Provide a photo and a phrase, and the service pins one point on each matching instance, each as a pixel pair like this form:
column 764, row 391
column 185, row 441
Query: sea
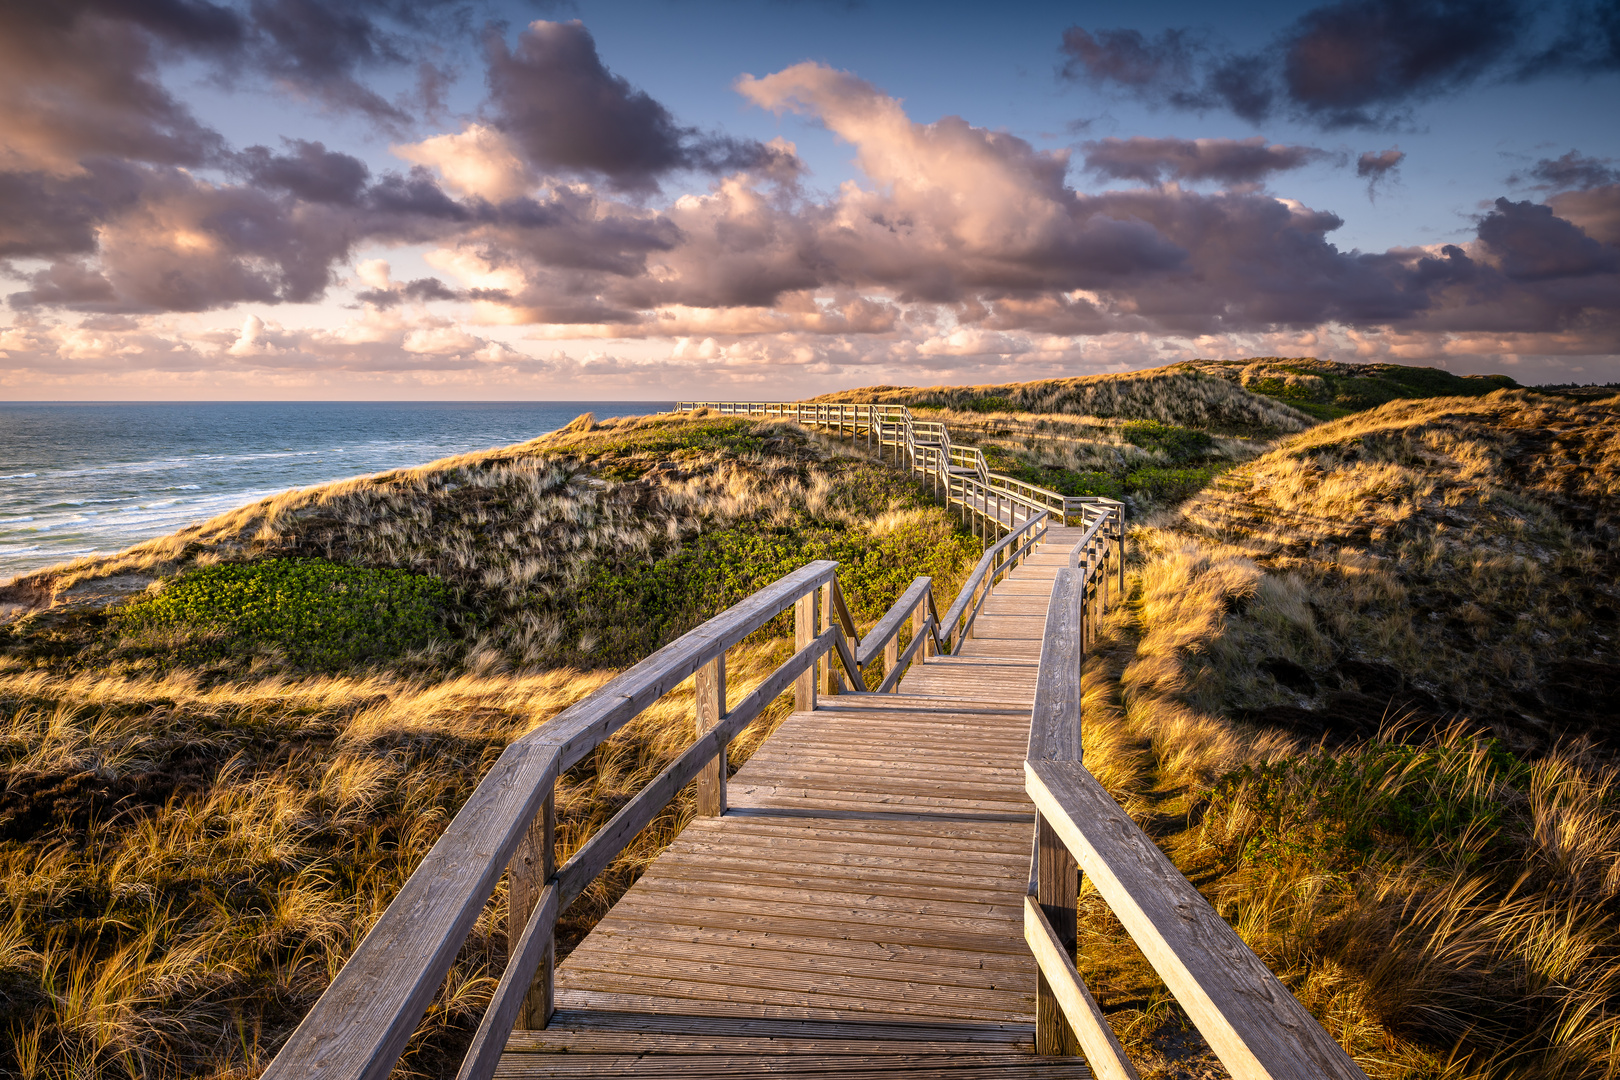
column 81, row 479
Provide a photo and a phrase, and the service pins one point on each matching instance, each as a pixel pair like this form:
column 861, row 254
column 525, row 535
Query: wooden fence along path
column 887, row 886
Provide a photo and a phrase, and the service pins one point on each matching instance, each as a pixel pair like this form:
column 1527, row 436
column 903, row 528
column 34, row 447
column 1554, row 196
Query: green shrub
column 316, row 613
column 1180, row 444
column 991, row 404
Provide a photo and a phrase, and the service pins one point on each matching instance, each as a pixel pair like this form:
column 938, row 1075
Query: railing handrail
column 1255, row 1026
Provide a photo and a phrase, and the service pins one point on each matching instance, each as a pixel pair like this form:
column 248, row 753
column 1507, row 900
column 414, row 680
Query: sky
column 651, row 199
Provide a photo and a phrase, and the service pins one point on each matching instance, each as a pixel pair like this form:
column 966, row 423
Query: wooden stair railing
column 361, row 1024
column 960, row 474
column 1255, row 1026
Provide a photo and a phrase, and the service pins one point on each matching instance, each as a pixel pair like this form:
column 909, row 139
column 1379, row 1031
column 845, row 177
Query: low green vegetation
column 315, row 614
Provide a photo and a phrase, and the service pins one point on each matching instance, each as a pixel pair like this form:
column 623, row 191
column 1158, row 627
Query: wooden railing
column 361, row 1025
column 1254, row 1025
column 960, row 475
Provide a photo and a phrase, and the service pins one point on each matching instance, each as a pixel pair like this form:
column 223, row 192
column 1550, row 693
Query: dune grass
column 213, row 787
column 1411, row 818
column 1328, row 389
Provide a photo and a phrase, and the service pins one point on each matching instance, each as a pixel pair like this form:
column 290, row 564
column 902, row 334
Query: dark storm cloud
column 1355, row 63
column 568, row 112
column 1226, row 161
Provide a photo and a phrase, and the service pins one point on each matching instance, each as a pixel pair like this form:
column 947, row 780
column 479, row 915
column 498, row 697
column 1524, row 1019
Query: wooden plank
column 818, row 922
column 852, row 995
column 724, row 977
column 757, row 1027
column 829, row 888
column 1251, row 1021
column 639, row 1043
column 971, row 873
column 1054, row 729
column 845, row 1067
column 1096, row 1036
column 511, row 996
column 985, row 917
column 812, row 963
column 830, row 950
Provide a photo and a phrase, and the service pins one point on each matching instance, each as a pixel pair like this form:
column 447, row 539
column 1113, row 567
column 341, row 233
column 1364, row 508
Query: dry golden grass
column 1324, row 702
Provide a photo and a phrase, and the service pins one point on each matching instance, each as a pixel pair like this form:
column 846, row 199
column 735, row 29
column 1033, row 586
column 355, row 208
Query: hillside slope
column 1168, row 395
column 222, row 752
column 1329, row 389
column 1365, row 692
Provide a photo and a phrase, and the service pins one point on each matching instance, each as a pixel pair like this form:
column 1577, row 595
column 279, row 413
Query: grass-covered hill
column 1150, row 438
column 1172, row 395
column 1329, row 389
column 222, row 752
column 1365, row 693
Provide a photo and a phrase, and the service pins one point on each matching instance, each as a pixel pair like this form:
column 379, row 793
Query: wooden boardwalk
column 859, row 909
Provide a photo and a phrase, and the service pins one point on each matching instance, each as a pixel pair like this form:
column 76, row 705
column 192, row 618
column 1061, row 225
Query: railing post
column 531, row 867
column 804, row 632
column 1057, row 890
column 829, row 668
column 711, row 706
column 891, row 653
column 919, row 623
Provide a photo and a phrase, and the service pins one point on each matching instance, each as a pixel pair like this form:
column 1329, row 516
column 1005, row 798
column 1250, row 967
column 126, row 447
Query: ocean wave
column 19, row 476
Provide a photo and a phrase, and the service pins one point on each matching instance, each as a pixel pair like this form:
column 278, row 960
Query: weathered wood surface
column 857, row 909
column 1254, row 1025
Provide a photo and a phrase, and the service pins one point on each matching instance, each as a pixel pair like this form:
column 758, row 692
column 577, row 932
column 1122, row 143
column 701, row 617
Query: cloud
column 1377, row 166
column 420, row 290
column 1352, row 63
column 1573, row 170
column 79, row 78
column 479, row 161
column 1532, row 243
column 1227, row 161
column 958, row 248
column 310, row 171
column 558, row 102
column 1348, row 64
